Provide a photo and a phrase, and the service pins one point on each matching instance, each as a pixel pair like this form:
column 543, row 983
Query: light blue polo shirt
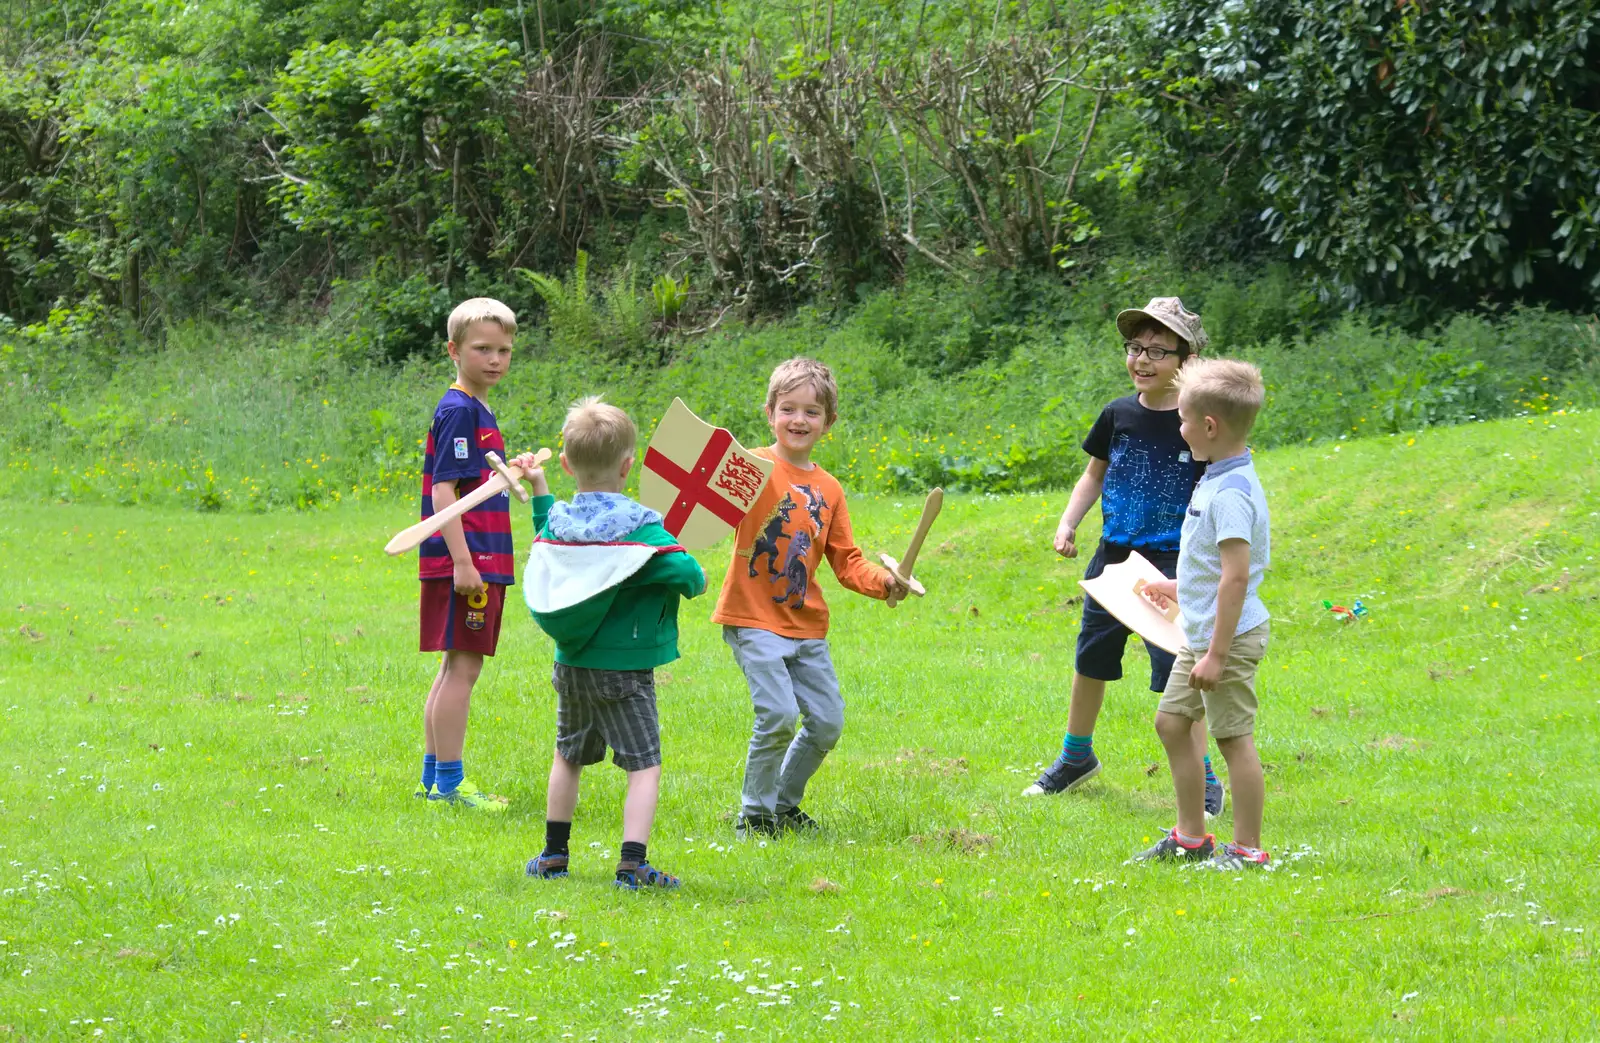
column 1228, row 504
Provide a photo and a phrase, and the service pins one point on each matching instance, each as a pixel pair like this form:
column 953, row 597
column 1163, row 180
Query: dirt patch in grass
column 963, row 840
column 1436, row 893
column 923, row 762
column 1067, row 604
column 1556, row 586
column 1398, row 743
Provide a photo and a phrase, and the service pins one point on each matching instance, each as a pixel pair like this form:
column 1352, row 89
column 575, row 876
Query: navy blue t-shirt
column 1149, row 477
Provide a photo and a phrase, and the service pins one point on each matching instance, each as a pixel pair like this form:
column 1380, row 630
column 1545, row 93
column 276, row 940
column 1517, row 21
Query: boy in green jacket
column 604, row 581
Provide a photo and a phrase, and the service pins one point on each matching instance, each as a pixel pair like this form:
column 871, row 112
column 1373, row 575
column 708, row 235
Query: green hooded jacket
column 609, row 605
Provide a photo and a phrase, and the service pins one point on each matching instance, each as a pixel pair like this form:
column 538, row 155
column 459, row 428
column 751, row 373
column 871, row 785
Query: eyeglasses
column 1153, row 352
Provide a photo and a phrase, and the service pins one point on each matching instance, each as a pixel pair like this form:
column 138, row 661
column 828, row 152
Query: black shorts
column 1102, row 639
column 600, row 708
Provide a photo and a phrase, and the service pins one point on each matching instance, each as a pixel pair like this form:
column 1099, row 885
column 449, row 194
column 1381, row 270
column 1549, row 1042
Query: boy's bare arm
column 1084, row 494
column 466, row 579
column 1230, row 604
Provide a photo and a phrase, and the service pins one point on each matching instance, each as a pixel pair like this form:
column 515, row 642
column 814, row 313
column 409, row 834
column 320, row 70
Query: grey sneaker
column 1167, row 849
column 1216, row 799
column 1064, row 777
column 1231, row 858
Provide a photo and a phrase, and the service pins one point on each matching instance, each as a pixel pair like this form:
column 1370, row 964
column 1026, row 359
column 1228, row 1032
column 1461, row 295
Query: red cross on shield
column 701, row 480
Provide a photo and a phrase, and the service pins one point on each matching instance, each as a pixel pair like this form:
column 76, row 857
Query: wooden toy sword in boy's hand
column 901, row 570
column 507, row 479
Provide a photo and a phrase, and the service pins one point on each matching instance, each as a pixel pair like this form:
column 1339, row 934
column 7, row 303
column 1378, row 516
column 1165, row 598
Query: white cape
column 560, row 575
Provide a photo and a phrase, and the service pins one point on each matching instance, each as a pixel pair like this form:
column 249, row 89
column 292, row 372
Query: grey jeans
column 791, row 682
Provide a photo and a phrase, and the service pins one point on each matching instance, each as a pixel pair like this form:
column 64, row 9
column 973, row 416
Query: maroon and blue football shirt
column 463, row 430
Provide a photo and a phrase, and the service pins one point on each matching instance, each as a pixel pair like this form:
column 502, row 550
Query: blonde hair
column 479, row 309
column 1227, row 390
column 596, row 437
column 799, row 371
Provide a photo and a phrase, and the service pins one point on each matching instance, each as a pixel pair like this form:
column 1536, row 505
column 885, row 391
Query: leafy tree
column 1403, row 146
column 390, row 148
column 31, row 194
column 127, row 140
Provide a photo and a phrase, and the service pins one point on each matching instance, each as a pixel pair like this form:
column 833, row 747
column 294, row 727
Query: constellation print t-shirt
column 1150, row 474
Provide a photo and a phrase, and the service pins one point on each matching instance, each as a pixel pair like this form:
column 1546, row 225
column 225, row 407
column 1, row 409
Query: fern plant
column 626, row 328
column 669, row 295
column 569, row 310
column 616, row 320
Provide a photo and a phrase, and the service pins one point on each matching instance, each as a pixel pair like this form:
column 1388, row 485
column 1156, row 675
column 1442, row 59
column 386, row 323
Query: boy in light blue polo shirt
column 1228, row 504
column 1225, row 550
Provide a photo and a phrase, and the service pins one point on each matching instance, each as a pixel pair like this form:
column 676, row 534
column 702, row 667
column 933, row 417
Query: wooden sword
column 902, row 569
column 506, row 479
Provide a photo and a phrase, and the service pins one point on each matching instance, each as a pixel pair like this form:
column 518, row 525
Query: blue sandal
column 635, row 875
column 548, row 867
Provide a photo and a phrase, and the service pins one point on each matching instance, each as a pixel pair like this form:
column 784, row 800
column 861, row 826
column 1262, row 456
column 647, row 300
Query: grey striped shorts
column 600, row 708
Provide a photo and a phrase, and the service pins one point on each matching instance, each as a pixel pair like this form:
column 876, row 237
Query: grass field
column 212, row 733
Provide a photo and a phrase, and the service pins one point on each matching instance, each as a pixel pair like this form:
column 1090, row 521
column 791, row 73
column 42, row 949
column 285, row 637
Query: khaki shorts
column 1231, row 705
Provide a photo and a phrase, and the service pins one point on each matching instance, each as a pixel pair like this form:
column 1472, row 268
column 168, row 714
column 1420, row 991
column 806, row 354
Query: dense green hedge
column 1401, row 148
column 163, row 161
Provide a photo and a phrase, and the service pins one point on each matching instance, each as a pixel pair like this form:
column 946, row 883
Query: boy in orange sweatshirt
column 772, row 611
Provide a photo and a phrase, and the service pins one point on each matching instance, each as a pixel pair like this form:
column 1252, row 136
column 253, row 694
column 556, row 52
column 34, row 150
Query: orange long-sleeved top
column 771, row 585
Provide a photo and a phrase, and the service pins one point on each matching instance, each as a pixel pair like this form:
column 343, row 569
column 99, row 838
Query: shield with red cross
column 700, row 479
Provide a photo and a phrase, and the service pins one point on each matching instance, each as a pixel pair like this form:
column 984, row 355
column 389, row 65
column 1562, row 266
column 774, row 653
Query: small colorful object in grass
column 1346, row 615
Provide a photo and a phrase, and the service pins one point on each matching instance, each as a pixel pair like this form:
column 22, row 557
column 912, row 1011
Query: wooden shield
column 701, row 480
column 1117, row 590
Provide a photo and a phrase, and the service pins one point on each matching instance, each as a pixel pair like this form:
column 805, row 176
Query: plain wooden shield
column 699, row 477
column 1117, row 589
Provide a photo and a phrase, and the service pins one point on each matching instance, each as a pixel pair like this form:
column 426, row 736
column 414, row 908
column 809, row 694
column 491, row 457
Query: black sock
column 556, row 836
column 632, row 852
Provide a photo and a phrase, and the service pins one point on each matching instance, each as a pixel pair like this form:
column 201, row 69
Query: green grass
column 211, row 738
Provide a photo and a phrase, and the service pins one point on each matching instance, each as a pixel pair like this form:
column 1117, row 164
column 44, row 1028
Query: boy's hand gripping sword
column 506, row 479
column 902, row 569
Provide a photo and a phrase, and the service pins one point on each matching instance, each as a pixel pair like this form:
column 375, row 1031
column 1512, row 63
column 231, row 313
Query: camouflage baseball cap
column 1170, row 312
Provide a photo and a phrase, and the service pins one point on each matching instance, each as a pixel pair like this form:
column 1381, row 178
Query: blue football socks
column 1078, row 748
column 1211, row 776
column 428, row 762
column 447, row 776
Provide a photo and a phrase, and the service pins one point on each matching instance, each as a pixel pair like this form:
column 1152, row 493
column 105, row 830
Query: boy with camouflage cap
column 1142, row 473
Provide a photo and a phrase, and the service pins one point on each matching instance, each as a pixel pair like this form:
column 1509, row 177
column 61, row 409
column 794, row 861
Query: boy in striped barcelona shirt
column 466, row 566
